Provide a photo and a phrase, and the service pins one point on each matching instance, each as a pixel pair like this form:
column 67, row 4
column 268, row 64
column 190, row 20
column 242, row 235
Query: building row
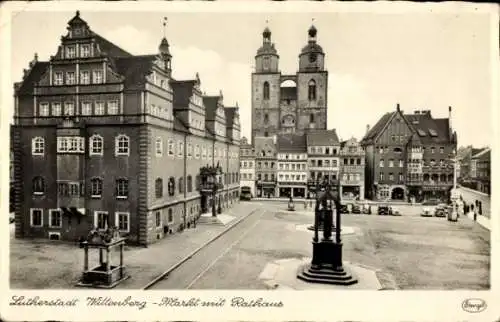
column 475, row 168
column 291, row 165
column 103, row 138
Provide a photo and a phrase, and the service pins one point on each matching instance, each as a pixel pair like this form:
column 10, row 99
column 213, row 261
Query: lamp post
column 326, row 264
column 454, row 193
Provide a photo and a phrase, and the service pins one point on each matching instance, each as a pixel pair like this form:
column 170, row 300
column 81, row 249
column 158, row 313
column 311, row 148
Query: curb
column 182, row 261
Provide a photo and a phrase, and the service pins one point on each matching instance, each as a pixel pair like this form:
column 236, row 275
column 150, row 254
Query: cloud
column 216, row 72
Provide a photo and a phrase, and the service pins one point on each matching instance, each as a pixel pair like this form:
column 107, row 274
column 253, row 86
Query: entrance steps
column 219, row 220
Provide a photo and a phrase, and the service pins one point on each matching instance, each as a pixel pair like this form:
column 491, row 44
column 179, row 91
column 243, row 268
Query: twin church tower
column 289, row 103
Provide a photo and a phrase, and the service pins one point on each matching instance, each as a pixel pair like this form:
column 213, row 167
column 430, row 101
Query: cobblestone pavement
column 408, row 252
column 36, row 264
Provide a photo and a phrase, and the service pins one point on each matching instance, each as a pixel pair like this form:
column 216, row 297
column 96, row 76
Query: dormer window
column 70, row 52
column 85, row 50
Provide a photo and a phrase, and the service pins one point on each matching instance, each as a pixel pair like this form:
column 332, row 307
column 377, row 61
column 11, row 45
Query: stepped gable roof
column 288, row 93
column 34, row 74
column 211, row 105
column 182, row 92
column 322, row 138
column 292, row 142
column 135, row 68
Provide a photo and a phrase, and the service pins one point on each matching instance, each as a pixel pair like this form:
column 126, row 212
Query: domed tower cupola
column 164, row 50
column 312, row 56
column 266, row 59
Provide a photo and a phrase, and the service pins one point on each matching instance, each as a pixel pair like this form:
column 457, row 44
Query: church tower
column 265, row 89
column 312, row 86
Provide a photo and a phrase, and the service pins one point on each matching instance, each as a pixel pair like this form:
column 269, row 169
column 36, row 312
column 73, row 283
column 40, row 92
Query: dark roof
column 183, row 90
column 323, row 137
column 312, row 47
column 211, row 105
column 484, row 155
column 428, row 129
column 110, row 48
column 267, row 49
column 261, row 142
column 288, row 93
column 292, row 143
column 34, row 75
column 372, row 133
column 179, row 125
column 426, row 124
column 135, row 68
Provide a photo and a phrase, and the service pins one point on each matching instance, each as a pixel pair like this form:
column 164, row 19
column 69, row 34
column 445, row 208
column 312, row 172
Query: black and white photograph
column 231, row 148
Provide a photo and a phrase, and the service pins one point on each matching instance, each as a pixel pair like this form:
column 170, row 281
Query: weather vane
column 165, row 27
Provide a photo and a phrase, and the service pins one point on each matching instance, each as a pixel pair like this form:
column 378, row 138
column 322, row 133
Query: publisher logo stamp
column 474, row 305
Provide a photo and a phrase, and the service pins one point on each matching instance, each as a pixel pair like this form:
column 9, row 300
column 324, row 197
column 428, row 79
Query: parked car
column 355, row 209
column 394, row 211
column 440, row 210
column 245, row 194
column 429, row 207
column 344, row 209
column 366, row 209
column 384, row 210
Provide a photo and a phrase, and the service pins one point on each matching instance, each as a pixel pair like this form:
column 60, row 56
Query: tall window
column 55, row 219
column 96, row 187
column 266, row 118
column 56, row 109
column 266, row 90
column 96, row 145
column 170, row 147
column 70, row 52
column 38, row 186
column 381, row 176
column 97, row 76
column 189, row 183
column 113, row 107
column 85, row 50
column 189, row 150
column 122, row 221
column 38, row 146
column 391, row 163
column 181, row 185
column 312, row 90
column 311, row 118
column 36, row 217
column 122, row 145
column 69, row 109
column 171, row 186
column 122, row 188
column 197, row 151
column 159, row 147
column 85, row 77
column 44, row 109
column 159, row 188
column 58, row 78
column 101, row 220
column 70, row 78
column 86, row 108
column 180, row 148
column 158, row 218
column 99, row 108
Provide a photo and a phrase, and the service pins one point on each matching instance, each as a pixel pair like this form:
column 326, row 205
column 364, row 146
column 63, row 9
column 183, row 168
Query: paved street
column 408, row 252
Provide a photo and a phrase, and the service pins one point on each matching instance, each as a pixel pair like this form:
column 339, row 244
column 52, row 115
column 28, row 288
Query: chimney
column 450, row 128
column 367, row 128
column 397, row 107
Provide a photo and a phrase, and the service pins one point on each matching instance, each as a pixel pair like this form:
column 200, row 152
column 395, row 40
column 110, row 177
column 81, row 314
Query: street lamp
column 454, row 195
column 326, row 265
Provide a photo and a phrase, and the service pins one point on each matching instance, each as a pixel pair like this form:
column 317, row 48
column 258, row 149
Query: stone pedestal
column 326, row 265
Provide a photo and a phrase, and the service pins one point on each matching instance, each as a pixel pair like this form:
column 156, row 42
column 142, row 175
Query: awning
column 69, row 211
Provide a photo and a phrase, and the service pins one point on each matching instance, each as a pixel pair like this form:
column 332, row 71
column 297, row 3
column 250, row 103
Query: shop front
column 265, row 189
column 441, row 193
column 292, row 191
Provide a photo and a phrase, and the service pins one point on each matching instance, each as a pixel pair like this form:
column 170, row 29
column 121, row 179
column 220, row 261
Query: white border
column 362, row 305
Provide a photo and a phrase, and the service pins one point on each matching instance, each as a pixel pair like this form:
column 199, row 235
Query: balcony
column 352, row 182
column 209, row 186
column 360, row 168
column 438, row 168
column 354, row 154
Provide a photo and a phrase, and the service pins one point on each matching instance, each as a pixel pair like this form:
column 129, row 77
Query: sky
column 423, row 61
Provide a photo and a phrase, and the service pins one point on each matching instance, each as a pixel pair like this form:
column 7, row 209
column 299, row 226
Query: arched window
column 96, row 145
column 181, row 185
column 95, row 187
column 159, row 187
column 312, row 90
column 122, row 145
column 266, row 90
column 171, row 186
column 38, row 186
column 311, row 118
column 38, row 146
column 189, row 183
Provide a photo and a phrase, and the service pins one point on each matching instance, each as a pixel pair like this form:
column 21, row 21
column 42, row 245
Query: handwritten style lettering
column 108, row 301
column 37, row 301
